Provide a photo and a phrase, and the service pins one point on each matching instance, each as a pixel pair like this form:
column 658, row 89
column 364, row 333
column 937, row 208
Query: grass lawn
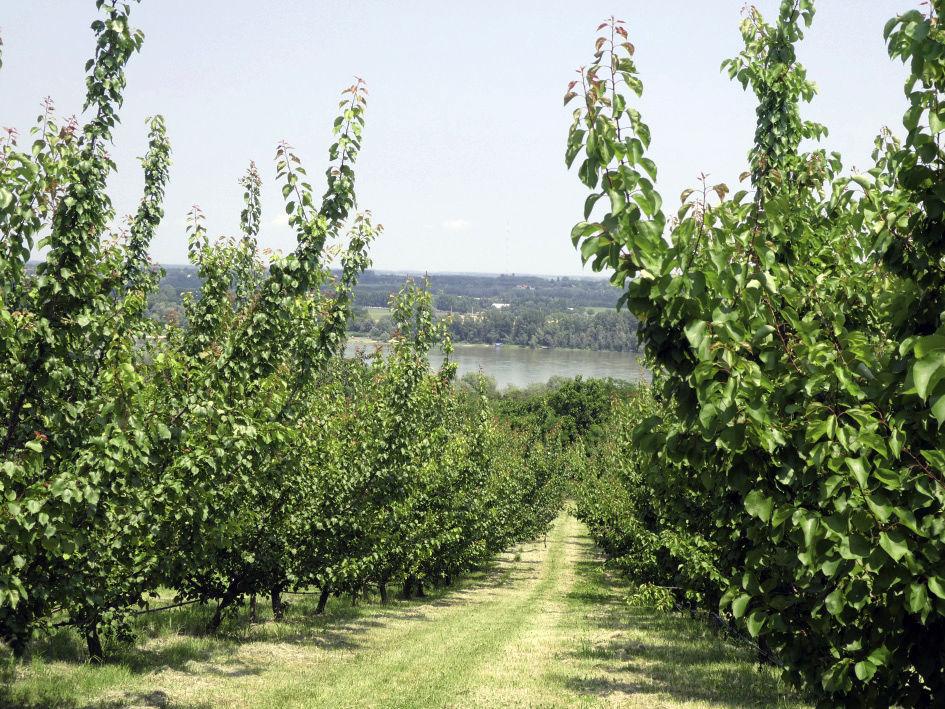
column 546, row 626
column 376, row 312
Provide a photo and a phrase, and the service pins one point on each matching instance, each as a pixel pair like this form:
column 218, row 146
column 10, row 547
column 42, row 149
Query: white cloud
column 281, row 220
column 455, row 224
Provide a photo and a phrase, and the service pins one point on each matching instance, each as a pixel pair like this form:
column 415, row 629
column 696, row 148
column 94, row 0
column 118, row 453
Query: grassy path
column 545, row 628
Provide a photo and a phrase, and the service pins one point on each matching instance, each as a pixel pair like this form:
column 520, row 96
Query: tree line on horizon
column 535, row 312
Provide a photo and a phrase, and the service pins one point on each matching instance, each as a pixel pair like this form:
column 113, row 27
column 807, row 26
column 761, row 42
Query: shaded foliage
column 794, row 330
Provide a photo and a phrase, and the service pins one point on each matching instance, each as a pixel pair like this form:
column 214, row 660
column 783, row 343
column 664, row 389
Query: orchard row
column 238, row 454
column 788, row 466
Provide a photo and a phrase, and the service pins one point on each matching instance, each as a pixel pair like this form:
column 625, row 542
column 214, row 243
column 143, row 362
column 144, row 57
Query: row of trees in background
column 452, row 293
column 237, row 454
column 469, row 293
column 790, row 462
column 566, row 412
column 527, row 327
column 543, row 320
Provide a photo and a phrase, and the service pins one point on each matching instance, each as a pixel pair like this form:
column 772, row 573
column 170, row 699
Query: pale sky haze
column 463, row 157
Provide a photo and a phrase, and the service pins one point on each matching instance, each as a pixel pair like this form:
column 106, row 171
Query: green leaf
column 740, row 604
column 617, row 201
column 894, row 544
column 938, row 409
column 811, row 527
column 588, row 172
column 864, row 670
column 589, row 248
column 858, row 468
column 649, row 166
column 829, row 568
column 928, row 344
column 835, row 601
column 695, row 332
column 936, row 121
column 755, row 622
column 880, row 506
column 590, row 202
column 879, row 656
column 758, row 505
column 923, row 371
column 917, row 598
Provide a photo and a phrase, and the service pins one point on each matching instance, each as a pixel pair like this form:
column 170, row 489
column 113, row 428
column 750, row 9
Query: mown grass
column 376, row 312
column 174, row 656
column 653, row 658
column 545, row 626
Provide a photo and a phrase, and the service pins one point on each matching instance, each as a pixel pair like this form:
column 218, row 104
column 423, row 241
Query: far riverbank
column 517, row 366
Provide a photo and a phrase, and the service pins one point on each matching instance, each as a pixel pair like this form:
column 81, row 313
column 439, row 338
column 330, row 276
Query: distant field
column 376, row 313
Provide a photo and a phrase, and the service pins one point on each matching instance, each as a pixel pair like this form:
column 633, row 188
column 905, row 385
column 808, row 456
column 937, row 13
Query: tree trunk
column 16, row 623
column 253, row 610
column 94, row 643
column 278, row 610
column 382, row 589
column 447, row 580
column 764, row 652
column 13, row 634
column 323, row 600
column 229, row 596
column 420, row 593
column 17, row 644
column 408, row 587
column 217, row 618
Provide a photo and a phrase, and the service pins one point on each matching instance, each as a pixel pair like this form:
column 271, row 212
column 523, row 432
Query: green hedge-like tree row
column 795, row 331
column 238, row 455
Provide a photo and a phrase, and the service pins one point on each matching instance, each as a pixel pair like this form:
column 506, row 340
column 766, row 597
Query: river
column 522, row 366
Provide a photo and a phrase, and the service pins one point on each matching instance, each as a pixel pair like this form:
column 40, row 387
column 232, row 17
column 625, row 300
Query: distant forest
column 527, row 325
column 469, row 293
column 532, row 311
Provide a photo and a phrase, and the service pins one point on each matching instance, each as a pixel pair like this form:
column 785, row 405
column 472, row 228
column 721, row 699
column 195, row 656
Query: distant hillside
column 471, row 292
column 460, row 293
column 533, row 311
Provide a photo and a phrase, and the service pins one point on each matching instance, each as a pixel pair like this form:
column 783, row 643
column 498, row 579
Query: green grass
column 376, row 312
column 545, row 626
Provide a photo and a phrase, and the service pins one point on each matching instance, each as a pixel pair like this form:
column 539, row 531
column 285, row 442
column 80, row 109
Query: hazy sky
column 463, row 153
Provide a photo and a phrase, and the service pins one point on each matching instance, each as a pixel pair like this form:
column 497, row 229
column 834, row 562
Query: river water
column 522, row 366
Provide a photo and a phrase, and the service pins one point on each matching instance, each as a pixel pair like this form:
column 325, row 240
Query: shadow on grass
column 53, row 699
column 667, row 655
column 56, row 673
column 146, row 699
